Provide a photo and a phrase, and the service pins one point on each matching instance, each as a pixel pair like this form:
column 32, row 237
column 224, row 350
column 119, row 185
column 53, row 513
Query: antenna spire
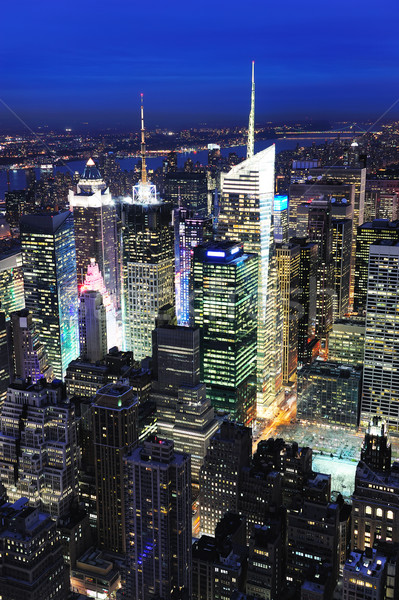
column 251, row 124
column 143, row 165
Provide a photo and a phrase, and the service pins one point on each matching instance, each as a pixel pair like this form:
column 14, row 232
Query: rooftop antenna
column 143, row 165
column 251, row 125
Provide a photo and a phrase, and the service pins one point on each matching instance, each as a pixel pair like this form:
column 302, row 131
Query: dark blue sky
column 67, row 62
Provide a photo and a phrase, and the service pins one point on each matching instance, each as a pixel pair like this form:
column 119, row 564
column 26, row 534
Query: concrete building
column 364, row 576
column 38, row 446
column 30, row 356
column 92, row 326
column 115, row 433
column 346, row 342
column 381, row 345
column 31, row 562
column 158, row 521
column 229, row 452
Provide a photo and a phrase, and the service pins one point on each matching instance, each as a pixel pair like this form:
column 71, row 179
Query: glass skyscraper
column 246, row 208
column 225, row 308
column 11, row 281
column 190, row 231
column 51, row 295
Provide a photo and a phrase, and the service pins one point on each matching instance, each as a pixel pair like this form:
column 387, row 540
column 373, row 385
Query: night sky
column 64, row 63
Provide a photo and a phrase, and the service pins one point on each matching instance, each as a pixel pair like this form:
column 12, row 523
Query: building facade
column 225, row 308
column 246, row 208
column 51, row 295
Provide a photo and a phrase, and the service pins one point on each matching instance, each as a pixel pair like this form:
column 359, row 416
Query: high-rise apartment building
column 381, row 345
column 31, row 561
column 229, row 452
column 246, row 208
column 11, row 281
column 225, row 307
column 158, row 521
column 92, row 326
column 38, row 446
column 265, row 563
column 190, row 231
column 367, row 234
column 187, row 189
column 288, row 264
column 51, row 295
column 115, row 434
column 96, row 237
column 31, row 361
column 341, row 249
column 329, row 392
column 307, row 341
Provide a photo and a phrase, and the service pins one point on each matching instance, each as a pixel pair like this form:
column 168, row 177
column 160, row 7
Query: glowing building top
column 92, row 191
column 144, row 192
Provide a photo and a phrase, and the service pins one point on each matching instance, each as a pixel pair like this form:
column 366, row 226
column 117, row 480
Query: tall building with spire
column 246, row 208
column 95, row 222
column 148, row 261
column 251, row 124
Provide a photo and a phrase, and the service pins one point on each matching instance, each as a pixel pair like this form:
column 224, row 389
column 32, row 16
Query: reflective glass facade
column 225, row 305
column 49, row 265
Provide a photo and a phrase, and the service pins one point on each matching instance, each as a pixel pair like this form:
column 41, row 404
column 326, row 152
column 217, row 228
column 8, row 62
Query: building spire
column 251, row 124
column 143, row 165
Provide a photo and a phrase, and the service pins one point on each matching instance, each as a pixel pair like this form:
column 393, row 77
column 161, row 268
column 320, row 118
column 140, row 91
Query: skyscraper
column 158, row 521
column 246, row 215
column 11, row 281
column 187, row 189
column 96, row 236
column 367, row 234
column 319, row 229
column 184, row 413
column 225, row 307
column 190, row 231
column 280, row 219
column 288, row 264
column 307, row 341
column 229, row 453
column 381, row 350
column 39, row 459
column 115, row 434
column 355, row 175
column 148, row 261
column 51, row 295
column 92, row 326
column 31, row 360
column 341, row 249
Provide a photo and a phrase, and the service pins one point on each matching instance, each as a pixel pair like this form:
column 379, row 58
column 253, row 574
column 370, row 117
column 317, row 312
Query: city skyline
column 304, row 67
